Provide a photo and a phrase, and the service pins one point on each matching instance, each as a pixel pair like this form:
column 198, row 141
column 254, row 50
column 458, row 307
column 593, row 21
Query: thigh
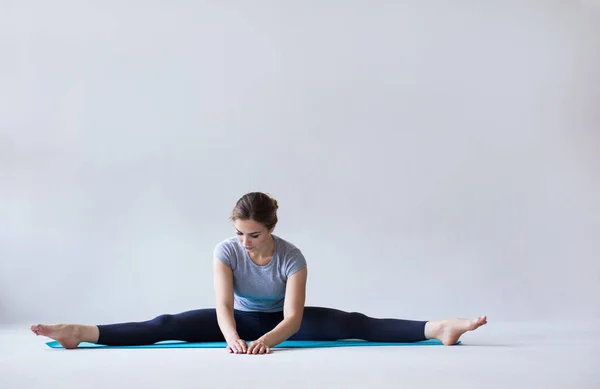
column 199, row 325
column 319, row 323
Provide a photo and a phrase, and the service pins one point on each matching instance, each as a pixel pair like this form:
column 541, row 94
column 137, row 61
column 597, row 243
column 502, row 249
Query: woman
column 260, row 286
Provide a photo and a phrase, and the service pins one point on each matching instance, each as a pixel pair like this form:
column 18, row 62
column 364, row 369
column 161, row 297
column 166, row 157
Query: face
column 252, row 235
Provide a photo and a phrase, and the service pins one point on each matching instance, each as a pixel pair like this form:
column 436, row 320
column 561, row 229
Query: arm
column 293, row 308
column 223, row 284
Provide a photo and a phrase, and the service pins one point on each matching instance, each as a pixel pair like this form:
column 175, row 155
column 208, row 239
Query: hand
column 237, row 346
column 258, row 347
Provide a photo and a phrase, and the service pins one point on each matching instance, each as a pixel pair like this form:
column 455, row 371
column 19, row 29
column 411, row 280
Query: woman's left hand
column 258, row 347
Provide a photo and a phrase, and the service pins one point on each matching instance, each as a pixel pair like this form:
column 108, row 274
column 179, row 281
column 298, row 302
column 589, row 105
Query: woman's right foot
column 68, row 335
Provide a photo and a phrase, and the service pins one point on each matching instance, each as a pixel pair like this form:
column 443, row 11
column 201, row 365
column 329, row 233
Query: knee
column 163, row 320
column 358, row 321
column 358, row 317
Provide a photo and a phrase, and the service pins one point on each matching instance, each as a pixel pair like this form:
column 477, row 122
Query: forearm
column 286, row 328
column 226, row 323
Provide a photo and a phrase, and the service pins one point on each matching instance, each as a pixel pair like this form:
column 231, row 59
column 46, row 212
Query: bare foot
column 68, row 335
column 448, row 331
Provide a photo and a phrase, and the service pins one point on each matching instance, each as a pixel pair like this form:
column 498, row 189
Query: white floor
column 499, row 355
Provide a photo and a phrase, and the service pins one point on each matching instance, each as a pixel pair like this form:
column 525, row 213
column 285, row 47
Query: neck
column 268, row 250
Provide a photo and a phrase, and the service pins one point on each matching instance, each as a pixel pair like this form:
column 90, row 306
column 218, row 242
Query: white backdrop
column 430, row 158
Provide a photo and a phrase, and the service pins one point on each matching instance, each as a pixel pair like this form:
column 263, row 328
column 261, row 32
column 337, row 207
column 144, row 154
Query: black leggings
column 317, row 324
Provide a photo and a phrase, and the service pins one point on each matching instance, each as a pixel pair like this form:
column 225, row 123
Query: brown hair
column 257, row 206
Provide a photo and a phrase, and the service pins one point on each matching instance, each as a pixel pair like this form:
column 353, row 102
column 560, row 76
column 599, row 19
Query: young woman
column 260, row 285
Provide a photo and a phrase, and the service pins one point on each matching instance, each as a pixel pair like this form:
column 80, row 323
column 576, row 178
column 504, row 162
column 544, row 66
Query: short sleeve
column 225, row 253
column 294, row 263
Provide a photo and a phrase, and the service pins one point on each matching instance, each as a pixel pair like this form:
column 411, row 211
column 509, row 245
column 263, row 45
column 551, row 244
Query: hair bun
column 258, row 206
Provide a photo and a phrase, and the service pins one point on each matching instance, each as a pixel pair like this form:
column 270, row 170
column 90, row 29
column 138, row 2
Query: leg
column 192, row 326
column 332, row 324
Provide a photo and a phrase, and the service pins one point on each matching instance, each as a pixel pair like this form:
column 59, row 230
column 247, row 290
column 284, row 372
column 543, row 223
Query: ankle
column 87, row 333
column 433, row 329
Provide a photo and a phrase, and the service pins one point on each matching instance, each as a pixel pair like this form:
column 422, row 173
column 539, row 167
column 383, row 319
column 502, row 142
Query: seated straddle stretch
column 260, row 288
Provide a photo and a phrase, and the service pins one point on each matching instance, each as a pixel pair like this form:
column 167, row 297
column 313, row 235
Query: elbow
column 295, row 328
column 295, row 324
column 223, row 307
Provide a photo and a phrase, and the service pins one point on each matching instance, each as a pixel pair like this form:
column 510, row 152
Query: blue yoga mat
column 286, row 344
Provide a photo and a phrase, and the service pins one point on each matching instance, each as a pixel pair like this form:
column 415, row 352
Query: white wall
column 430, row 158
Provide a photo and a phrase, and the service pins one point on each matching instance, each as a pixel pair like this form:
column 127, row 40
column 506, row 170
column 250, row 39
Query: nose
column 246, row 241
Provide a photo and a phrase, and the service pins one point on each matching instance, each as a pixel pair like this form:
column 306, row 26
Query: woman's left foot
column 448, row 331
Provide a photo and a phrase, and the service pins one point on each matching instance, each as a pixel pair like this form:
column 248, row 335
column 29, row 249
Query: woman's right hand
column 237, row 346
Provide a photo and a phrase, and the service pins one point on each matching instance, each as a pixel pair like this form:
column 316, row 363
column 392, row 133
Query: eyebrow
column 250, row 233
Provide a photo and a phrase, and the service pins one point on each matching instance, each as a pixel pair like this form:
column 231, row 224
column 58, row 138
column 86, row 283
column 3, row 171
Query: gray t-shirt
column 260, row 288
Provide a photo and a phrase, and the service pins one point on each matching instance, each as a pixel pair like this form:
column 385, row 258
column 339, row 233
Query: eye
column 239, row 233
column 254, row 236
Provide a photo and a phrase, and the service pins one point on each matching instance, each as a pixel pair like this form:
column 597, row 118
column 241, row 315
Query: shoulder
column 285, row 247
column 227, row 245
column 292, row 259
column 227, row 251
